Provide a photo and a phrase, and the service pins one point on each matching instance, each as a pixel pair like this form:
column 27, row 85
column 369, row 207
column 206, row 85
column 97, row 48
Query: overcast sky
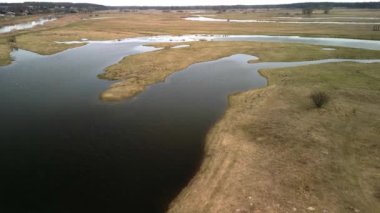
column 183, row 2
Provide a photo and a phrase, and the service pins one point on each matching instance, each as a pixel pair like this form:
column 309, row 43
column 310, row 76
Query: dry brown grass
column 267, row 14
column 5, row 48
column 17, row 20
column 138, row 71
column 33, row 39
column 123, row 25
column 274, row 152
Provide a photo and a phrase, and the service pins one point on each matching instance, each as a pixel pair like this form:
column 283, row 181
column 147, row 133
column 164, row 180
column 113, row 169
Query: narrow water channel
column 63, row 150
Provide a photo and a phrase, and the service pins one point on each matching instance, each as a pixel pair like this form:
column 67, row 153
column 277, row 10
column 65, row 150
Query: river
column 64, row 150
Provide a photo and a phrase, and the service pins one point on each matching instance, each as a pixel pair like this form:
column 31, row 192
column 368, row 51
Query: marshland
column 190, row 110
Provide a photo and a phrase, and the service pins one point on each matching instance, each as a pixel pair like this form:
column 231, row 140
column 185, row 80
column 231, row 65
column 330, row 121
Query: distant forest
column 314, row 5
column 53, row 5
column 28, row 8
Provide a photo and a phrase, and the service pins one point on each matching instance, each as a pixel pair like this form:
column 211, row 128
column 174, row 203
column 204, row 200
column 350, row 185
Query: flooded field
column 282, row 20
column 338, row 42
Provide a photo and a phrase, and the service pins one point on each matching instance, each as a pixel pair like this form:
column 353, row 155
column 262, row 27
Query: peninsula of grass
column 274, row 151
column 136, row 72
column 114, row 25
column 5, row 48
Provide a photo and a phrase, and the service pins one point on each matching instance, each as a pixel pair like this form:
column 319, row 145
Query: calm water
column 336, row 42
column 63, row 150
column 299, row 21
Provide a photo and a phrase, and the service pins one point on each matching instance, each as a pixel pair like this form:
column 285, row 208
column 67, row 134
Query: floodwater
column 24, row 26
column 63, row 150
column 335, row 42
column 202, row 18
column 330, row 17
column 300, row 21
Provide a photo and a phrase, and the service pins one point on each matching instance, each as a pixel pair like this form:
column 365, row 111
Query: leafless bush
column 12, row 39
column 319, row 98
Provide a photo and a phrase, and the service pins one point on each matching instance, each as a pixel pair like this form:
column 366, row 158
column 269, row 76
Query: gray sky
column 184, row 2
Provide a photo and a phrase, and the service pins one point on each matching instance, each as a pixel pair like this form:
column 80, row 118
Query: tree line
column 45, row 7
column 28, row 8
column 314, row 5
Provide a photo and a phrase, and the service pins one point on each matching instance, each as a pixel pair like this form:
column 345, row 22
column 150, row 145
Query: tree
column 307, row 11
column 327, row 10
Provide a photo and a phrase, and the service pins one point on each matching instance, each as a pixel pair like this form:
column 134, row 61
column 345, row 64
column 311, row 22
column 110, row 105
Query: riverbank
column 273, row 151
column 5, row 48
column 21, row 39
column 106, row 26
column 134, row 73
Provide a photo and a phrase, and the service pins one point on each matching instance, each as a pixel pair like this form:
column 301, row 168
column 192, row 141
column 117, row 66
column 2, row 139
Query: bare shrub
column 319, row 98
column 12, row 39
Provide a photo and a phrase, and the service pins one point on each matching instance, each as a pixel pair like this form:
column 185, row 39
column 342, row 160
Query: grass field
column 138, row 71
column 4, row 51
column 346, row 14
column 42, row 45
column 122, row 25
column 273, row 151
column 4, row 21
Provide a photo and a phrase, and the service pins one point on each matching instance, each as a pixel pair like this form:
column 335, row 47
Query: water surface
column 299, row 21
column 337, row 42
column 63, row 150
